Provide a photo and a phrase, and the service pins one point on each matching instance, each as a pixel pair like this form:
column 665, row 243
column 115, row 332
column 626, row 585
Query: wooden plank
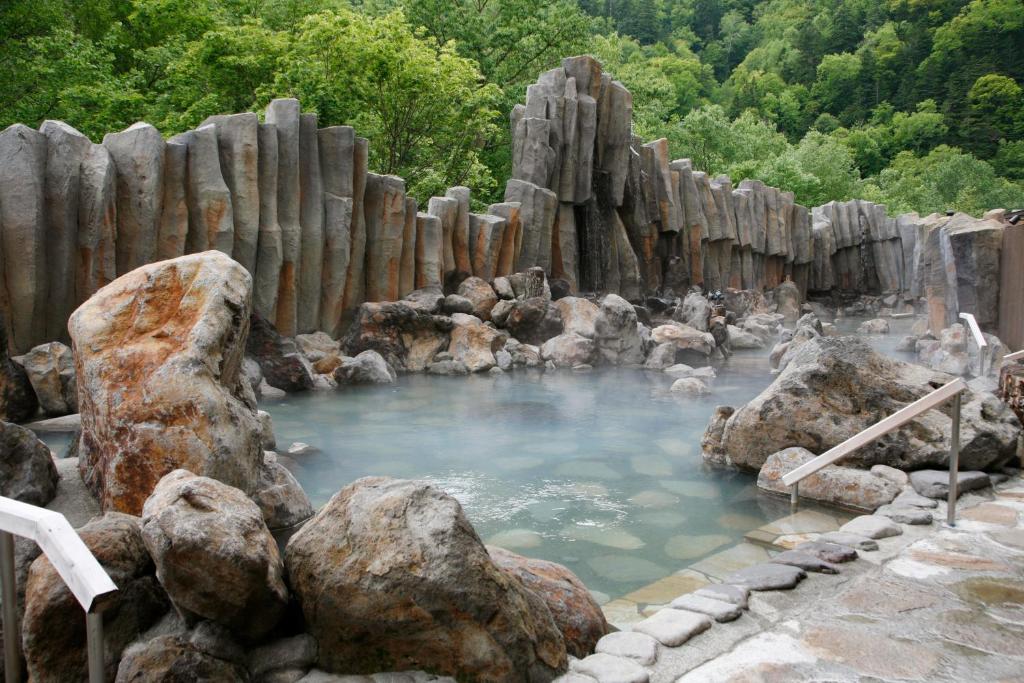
column 880, row 428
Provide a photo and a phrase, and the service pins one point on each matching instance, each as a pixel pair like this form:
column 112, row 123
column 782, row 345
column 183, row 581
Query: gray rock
column 311, row 221
column 237, row 143
column 50, row 369
column 383, row 556
column 460, row 229
column 214, row 554
column 810, row 562
column 292, row 653
column 369, row 367
column 23, row 232
column 673, row 627
column 269, row 249
column 173, row 231
column 898, row 477
column 695, row 312
column 905, row 515
column 911, row 498
column 97, row 223
column 636, row 646
column 282, row 364
column 606, row 668
column 503, row 288
column 616, row 333
column 504, row 359
column 719, row 610
column 874, row 326
column 279, row 496
column 384, row 209
column 767, row 577
column 337, row 249
column 429, row 251
column 724, row 592
column 456, row 303
column 210, row 214
column 829, row 552
column 691, row 386
column 66, row 149
column 174, row 658
column 742, row 339
column 447, row 367
column 568, row 350
column 283, row 114
column 872, row 526
column 138, row 154
column 27, row 471
column 935, row 483
column 850, row 540
column 832, row 484
column 661, row 357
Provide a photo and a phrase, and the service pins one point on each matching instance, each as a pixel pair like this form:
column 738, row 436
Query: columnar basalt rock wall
column 587, row 200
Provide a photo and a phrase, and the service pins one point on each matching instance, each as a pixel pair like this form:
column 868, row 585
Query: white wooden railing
column 952, row 390
column 75, row 564
column 979, row 339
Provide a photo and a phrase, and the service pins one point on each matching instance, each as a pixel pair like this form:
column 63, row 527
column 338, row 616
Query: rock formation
column 158, row 356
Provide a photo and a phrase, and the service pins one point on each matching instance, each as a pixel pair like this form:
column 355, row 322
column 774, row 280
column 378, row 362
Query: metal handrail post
column 794, row 495
column 954, row 462
column 12, row 653
column 94, row 636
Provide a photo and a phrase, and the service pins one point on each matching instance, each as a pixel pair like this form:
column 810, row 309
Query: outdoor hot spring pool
column 599, row 471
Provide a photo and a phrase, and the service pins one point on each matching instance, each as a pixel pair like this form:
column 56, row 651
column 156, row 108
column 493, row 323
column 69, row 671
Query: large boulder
column 480, row 295
column 568, row 350
column 685, row 338
column 834, row 484
column 579, row 316
column 369, row 367
column 391, row 575
column 18, row 401
column 534, row 320
column 473, row 343
column 576, row 613
column 695, row 311
column 617, row 334
column 158, row 354
column 27, row 470
column 283, row 365
column 787, row 300
column 214, row 554
column 53, row 630
column 835, row 387
column 176, row 658
column 405, row 334
column 51, row 371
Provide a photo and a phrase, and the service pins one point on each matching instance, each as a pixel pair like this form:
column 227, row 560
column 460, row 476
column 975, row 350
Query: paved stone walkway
column 931, row 604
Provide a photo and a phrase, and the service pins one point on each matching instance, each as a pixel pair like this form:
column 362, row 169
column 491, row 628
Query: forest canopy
column 916, row 104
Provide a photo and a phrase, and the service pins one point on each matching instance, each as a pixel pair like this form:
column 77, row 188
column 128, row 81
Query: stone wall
column 588, row 201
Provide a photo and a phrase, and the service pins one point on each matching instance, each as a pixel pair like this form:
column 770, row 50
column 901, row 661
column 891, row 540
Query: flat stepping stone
column 851, row 540
column 807, row 561
column 830, row 552
column 639, row 647
column 673, row 627
column 911, row 498
column 768, row 577
column 716, row 609
column 605, row 668
column 935, row 483
column 905, row 515
column 737, row 595
column 872, row 526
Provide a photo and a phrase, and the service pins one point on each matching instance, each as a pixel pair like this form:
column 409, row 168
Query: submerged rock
column 214, row 554
column 833, row 484
column 834, row 388
column 384, row 559
column 27, row 470
column 874, row 326
column 576, row 613
column 53, row 630
column 158, row 353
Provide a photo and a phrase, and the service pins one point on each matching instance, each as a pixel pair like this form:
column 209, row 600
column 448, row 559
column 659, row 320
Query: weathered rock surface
column 279, row 496
column 175, row 658
column 369, row 367
column 534, row 320
column 53, row 630
column 473, row 343
column 18, row 400
column 574, row 610
column 279, row 358
column 386, row 558
column 616, row 334
column 834, row 484
column 567, row 350
column 158, row 355
column 579, row 316
column 767, row 577
column 694, row 312
column 407, row 336
column 834, row 388
column 935, row 483
column 214, row 554
column 27, row 471
column 480, row 295
column 685, row 338
column 51, row 371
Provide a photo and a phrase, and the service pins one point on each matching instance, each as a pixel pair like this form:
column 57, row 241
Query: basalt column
column 138, row 154
column 337, row 155
column 284, row 115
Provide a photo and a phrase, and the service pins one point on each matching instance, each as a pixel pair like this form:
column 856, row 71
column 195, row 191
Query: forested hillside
column 914, row 103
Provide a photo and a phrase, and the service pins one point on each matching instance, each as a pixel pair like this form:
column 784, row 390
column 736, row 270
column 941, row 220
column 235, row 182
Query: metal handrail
column 75, row 564
column 1016, row 355
column 979, row 339
column 952, row 390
